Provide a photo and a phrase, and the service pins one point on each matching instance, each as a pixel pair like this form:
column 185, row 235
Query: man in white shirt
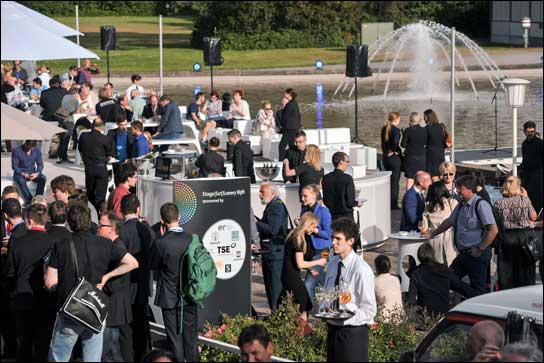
column 347, row 340
column 136, row 85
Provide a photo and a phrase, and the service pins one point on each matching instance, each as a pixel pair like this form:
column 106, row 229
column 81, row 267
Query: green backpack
column 202, row 273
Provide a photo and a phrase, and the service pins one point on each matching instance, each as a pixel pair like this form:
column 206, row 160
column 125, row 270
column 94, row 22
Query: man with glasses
column 531, row 167
column 19, row 73
column 475, row 229
column 127, row 179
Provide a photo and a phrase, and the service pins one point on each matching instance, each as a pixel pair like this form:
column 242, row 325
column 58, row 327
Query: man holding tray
column 347, row 339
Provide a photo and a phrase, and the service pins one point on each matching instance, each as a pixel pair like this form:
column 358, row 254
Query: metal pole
column 108, row 62
column 77, row 35
column 526, row 37
column 160, row 55
column 356, row 112
column 452, row 94
column 515, row 141
column 211, row 76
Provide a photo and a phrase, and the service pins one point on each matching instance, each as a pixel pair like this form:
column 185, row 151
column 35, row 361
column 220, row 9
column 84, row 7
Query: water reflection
column 475, row 120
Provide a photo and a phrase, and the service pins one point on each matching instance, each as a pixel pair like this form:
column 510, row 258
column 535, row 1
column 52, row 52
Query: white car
column 447, row 340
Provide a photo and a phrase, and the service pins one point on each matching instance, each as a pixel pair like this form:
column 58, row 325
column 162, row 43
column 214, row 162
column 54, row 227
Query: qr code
column 235, row 236
column 228, row 268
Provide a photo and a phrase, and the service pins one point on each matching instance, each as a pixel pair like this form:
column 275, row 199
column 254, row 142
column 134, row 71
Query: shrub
column 387, row 340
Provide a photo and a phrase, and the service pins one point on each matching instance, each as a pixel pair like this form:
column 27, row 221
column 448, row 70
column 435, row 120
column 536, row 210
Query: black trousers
column 347, row 343
column 65, row 139
column 34, row 330
column 7, row 328
column 516, row 268
column 96, row 183
column 392, row 163
column 184, row 346
column 287, row 139
column 141, row 336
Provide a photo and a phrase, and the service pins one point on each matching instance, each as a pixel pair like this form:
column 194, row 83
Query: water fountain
column 423, row 51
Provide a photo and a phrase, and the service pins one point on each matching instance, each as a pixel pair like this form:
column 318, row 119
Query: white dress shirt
column 358, row 278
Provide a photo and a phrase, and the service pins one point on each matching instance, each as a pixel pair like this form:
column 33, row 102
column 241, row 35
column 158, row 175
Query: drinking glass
column 345, row 298
column 319, row 296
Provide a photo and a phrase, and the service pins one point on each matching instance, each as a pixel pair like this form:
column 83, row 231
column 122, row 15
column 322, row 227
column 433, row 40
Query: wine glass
column 345, row 298
column 319, row 296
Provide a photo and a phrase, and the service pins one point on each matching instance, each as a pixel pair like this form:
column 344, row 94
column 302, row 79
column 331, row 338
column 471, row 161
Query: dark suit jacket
column 413, row 207
column 242, row 161
column 26, row 271
column 166, row 256
column 273, row 227
column 50, row 100
column 171, row 120
column 430, row 288
column 148, row 110
column 138, row 239
column 210, row 162
column 131, row 141
column 95, row 148
column 290, row 117
column 339, row 192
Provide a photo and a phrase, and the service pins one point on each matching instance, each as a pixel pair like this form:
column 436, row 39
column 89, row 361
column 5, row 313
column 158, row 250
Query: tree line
column 287, row 24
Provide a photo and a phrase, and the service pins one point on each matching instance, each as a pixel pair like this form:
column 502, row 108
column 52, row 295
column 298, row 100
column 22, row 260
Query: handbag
column 533, row 246
column 86, row 304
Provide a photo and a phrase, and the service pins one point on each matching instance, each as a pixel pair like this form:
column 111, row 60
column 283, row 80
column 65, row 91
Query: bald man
column 486, row 341
column 413, row 203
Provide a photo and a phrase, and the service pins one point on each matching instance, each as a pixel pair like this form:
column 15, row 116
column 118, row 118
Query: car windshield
column 451, row 345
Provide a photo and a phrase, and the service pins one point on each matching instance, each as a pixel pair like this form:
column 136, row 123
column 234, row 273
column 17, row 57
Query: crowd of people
column 118, row 250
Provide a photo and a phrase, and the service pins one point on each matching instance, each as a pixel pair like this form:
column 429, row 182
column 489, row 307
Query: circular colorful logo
column 186, row 202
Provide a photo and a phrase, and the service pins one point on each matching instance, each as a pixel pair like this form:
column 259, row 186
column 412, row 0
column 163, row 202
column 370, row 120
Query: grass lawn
column 138, row 48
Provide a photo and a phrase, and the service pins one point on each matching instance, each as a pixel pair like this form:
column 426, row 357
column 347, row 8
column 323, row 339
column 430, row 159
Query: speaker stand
column 211, row 77
column 356, row 139
column 108, row 64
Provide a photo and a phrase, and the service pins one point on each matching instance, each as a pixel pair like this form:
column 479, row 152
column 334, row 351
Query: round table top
column 407, row 236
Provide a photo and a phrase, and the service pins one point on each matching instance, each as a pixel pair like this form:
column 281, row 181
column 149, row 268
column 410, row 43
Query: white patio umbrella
column 22, row 39
column 18, row 125
column 52, row 26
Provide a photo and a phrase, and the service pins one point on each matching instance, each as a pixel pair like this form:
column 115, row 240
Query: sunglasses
column 267, row 109
column 104, row 225
column 448, row 174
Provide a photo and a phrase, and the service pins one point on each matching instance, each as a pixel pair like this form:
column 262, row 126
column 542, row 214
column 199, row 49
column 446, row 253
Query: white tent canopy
column 38, row 19
column 19, row 125
column 22, row 39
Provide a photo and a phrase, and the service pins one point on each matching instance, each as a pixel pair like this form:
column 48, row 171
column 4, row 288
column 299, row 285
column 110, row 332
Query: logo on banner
column 226, row 242
column 186, row 202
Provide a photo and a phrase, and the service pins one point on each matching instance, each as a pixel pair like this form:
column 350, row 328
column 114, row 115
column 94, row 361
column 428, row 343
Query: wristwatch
column 480, row 248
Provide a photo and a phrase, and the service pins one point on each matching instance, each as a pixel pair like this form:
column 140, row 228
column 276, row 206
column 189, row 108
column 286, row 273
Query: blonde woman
column 439, row 208
column 149, row 138
column 447, row 175
column 414, row 140
column 517, row 214
column 298, row 256
column 43, row 74
column 310, row 172
column 265, row 123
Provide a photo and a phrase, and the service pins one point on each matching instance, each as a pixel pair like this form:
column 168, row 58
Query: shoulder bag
column 533, row 245
column 86, row 304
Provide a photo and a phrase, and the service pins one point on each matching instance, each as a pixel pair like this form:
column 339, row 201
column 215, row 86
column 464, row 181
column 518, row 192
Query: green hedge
column 387, row 339
column 94, row 8
column 288, row 38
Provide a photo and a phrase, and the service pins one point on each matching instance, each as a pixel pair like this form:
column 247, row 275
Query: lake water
column 475, row 120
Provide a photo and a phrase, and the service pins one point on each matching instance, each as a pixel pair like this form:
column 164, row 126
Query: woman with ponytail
column 391, row 154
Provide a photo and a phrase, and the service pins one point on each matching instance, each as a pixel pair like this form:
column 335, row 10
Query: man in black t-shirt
column 211, row 162
column 295, row 155
column 94, row 255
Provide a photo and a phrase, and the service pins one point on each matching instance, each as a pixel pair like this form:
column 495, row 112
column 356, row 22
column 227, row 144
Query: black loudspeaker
column 108, row 38
column 212, row 51
column 357, row 61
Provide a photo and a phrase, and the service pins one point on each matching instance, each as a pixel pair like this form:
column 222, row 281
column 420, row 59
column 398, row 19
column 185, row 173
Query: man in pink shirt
column 127, row 180
column 85, row 72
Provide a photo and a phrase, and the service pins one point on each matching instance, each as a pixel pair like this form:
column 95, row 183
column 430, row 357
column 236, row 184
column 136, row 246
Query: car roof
column 525, row 300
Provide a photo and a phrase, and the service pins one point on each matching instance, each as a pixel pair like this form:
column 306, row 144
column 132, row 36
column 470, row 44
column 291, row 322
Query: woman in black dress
column 435, row 144
column 391, row 152
column 310, row 172
column 289, row 122
column 414, row 139
column 298, row 254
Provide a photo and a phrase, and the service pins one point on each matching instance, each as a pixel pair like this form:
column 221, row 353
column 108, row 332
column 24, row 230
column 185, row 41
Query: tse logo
column 223, row 249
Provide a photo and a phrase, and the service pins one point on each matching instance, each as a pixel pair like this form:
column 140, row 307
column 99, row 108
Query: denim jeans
column 311, row 282
column 111, row 351
column 476, row 269
column 65, row 336
column 25, row 192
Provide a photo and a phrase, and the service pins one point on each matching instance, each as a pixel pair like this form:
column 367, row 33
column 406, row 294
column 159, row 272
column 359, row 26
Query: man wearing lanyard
column 347, row 340
column 474, row 231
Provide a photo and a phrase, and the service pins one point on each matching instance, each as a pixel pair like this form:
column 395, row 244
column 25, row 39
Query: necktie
column 338, row 274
